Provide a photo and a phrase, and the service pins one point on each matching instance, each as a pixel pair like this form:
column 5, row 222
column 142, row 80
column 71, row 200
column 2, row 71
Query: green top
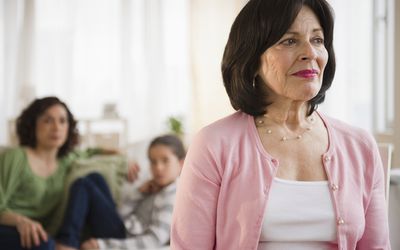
column 23, row 192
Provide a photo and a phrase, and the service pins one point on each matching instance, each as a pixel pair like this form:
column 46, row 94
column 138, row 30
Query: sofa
column 113, row 168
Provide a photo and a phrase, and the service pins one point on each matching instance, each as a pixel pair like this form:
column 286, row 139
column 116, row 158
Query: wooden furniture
column 386, row 150
column 109, row 133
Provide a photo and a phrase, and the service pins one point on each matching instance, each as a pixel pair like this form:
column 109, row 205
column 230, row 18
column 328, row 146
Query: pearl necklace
column 311, row 121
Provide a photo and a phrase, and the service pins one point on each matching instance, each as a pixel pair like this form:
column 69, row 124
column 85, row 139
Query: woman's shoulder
column 13, row 152
column 343, row 131
column 13, row 159
column 230, row 125
column 221, row 136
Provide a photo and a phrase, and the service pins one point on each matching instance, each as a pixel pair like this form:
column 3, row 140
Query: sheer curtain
column 133, row 53
column 15, row 32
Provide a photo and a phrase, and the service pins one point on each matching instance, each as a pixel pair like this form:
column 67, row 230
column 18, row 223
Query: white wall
column 210, row 25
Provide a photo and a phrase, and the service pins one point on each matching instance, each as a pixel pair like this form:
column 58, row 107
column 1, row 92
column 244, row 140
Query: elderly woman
column 32, row 175
column 277, row 174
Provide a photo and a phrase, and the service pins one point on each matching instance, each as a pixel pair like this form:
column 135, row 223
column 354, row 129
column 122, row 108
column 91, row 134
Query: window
column 383, row 78
column 386, row 112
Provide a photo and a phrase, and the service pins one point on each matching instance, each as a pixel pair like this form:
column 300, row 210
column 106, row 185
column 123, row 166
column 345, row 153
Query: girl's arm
column 155, row 234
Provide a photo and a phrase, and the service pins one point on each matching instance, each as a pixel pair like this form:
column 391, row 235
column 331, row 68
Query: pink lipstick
column 307, row 73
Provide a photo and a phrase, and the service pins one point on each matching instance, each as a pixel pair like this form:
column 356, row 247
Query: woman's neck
column 289, row 115
column 46, row 155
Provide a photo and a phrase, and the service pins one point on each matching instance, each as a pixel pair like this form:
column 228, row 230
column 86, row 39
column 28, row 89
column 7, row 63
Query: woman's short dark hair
column 26, row 124
column 171, row 141
column 259, row 25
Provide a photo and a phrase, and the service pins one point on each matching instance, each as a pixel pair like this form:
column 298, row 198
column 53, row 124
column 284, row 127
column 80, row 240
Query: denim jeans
column 90, row 204
column 9, row 239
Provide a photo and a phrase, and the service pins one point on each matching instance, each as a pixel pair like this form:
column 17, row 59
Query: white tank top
column 299, row 215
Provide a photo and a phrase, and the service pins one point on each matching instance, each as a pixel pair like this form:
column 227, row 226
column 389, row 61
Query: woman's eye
column 63, row 120
column 289, row 42
column 318, row 40
column 46, row 120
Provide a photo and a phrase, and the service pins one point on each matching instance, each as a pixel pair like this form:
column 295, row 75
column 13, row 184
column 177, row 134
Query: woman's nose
column 57, row 125
column 308, row 52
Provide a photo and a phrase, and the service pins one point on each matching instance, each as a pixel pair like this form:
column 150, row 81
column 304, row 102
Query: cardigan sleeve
column 376, row 232
column 12, row 164
column 195, row 211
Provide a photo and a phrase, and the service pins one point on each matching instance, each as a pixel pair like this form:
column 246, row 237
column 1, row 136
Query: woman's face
column 165, row 165
column 52, row 127
column 293, row 67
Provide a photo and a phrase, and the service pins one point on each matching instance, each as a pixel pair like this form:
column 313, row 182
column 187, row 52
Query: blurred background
column 132, row 69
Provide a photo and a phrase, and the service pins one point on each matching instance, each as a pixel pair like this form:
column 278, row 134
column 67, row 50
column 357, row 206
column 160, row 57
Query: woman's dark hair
column 172, row 142
column 259, row 25
column 26, row 124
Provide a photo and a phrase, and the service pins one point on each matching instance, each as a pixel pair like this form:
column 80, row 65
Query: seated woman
column 32, row 175
column 144, row 221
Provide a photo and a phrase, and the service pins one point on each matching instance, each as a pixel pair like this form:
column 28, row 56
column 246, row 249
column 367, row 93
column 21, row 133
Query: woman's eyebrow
column 290, row 32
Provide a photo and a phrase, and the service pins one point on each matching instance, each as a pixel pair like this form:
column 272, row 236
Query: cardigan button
column 340, row 221
column 334, row 187
column 265, row 190
column 327, row 158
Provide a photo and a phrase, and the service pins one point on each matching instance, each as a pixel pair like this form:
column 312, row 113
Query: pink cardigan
column 225, row 182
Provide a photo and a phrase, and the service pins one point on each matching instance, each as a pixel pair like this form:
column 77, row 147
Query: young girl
column 149, row 220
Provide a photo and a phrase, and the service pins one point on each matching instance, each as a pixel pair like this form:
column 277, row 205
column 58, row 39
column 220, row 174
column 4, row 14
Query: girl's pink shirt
column 225, row 182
